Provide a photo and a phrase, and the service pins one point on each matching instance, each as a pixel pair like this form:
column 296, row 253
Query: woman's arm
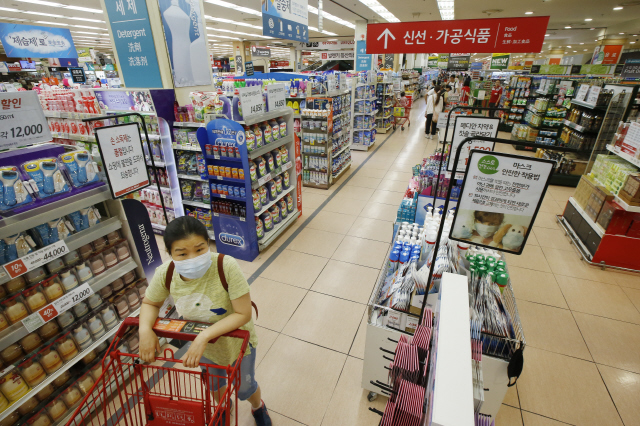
column 240, row 316
column 148, row 340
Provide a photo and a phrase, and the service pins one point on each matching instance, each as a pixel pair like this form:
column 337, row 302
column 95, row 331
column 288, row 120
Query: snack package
column 13, row 191
column 186, row 186
column 48, row 177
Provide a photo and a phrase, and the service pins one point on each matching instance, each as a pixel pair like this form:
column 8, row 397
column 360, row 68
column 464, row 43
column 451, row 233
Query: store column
column 364, row 61
column 555, row 56
column 293, row 60
column 608, row 50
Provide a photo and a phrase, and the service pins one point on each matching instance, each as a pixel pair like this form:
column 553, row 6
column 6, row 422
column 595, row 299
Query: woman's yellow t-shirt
column 205, row 300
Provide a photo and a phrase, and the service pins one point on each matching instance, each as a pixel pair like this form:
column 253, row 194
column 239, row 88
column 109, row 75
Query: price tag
column 264, row 179
column 216, row 156
column 582, row 92
column 83, row 138
column 36, row 259
column 223, row 196
column 242, row 219
column 594, row 92
column 23, row 120
column 275, row 96
column 251, row 100
column 286, row 166
column 219, row 177
column 58, row 306
column 216, row 214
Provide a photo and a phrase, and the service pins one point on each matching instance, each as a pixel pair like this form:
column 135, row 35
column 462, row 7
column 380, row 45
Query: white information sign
column 499, row 200
column 275, row 97
column 469, row 127
column 251, row 101
column 346, row 55
column 594, row 92
column 22, row 121
column 123, row 158
column 582, row 93
column 58, row 306
column 35, row 259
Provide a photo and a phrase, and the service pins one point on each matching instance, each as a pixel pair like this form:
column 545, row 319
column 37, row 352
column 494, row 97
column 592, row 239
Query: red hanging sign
column 508, row 35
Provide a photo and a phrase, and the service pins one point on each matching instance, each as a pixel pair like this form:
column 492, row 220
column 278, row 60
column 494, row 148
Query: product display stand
column 326, row 139
column 384, row 105
column 364, row 123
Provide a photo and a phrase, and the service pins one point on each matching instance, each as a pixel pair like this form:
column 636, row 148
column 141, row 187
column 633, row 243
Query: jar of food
column 28, row 406
column 50, row 360
column 12, row 353
column 56, row 409
column 48, row 330
column 32, row 372
column 71, row 396
column 13, row 387
column 45, row 392
column 66, row 347
column 30, row 342
column 62, row 379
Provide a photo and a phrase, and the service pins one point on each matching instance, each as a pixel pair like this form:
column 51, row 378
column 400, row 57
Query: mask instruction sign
column 499, row 200
column 466, row 127
column 251, row 101
column 275, row 96
column 123, row 158
column 22, row 120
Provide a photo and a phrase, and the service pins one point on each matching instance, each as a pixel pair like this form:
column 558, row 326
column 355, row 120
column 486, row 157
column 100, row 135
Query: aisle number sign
column 22, row 121
column 500, row 197
column 251, row 101
column 465, row 127
column 509, row 35
column 275, row 96
column 123, row 158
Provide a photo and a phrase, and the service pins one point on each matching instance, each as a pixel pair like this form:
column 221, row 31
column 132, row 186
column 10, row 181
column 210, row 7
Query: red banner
column 508, row 35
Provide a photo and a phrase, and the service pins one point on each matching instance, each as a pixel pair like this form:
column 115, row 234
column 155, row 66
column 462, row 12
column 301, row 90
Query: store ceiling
column 227, row 18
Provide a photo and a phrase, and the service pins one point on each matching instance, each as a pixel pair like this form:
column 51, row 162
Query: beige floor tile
column 613, row 343
column 295, row 268
column 357, row 348
column 266, row 338
column 393, row 185
column 345, row 204
column 298, row 379
column 605, row 300
column 372, row 229
column 387, row 197
column 532, row 239
column 278, row 302
column 361, row 251
column 624, row 388
column 380, row 211
column 633, row 295
column 246, row 419
column 549, row 205
column 627, row 279
column 546, row 220
column 319, row 191
column 319, row 243
column 326, row 321
column 531, row 419
column 570, row 264
column 511, row 398
column 531, row 258
column 565, row 388
column 312, row 200
column 282, row 238
column 355, row 192
column 561, row 193
column 347, row 281
column 400, row 167
column 536, row 286
column 332, row 222
column 552, row 329
column 400, row 176
column 372, row 173
column 553, row 238
column 508, row 416
column 349, row 404
column 364, row 181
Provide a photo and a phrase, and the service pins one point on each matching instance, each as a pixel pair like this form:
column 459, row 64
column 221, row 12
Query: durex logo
column 232, row 240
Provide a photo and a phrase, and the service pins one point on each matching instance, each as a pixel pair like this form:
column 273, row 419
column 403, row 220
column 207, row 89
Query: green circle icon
column 488, row 164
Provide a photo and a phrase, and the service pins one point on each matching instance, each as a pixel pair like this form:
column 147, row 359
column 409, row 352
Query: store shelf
column 158, row 227
column 65, row 367
column 626, row 157
column 597, row 228
column 269, row 176
column 83, row 138
column 360, row 147
column 384, row 130
column 535, row 110
column 316, row 185
column 186, row 147
column 81, row 238
column 344, row 148
column 312, row 154
column 278, row 198
column 587, row 105
column 266, row 116
column 627, row 207
column 17, row 331
column 196, row 204
column 11, row 225
column 269, row 147
column 342, row 172
column 277, row 230
column 75, row 115
column 577, row 127
column 365, row 113
column 364, row 130
column 191, row 177
column 383, row 118
column 156, row 163
column 224, row 158
column 188, row 124
column 225, row 179
column 228, row 197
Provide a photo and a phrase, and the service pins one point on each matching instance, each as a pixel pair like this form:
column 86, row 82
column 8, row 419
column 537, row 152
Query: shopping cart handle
column 171, row 329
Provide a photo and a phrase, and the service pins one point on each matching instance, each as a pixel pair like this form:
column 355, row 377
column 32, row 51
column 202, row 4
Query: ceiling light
column 632, row 42
column 221, row 36
column 8, row 9
column 585, row 50
column 528, row 13
column 581, row 43
column 574, row 51
column 90, row 28
column 618, row 8
column 43, row 3
column 84, row 32
column 380, row 10
column 569, row 47
column 84, row 9
column 52, row 23
column 568, row 26
column 323, row 31
column 588, row 20
column 546, row 35
column 331, row 17
column 236, row 7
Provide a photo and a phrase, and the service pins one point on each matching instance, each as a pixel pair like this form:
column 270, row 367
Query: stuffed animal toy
column 465, row 225
column 509, row 237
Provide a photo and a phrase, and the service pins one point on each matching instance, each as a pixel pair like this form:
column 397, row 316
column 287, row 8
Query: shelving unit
column 384, row 113
column 363, row 98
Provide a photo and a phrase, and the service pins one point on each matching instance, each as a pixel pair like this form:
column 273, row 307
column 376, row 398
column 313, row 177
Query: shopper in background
column 494, row 100
column 464, row 93
column 430, row 127
column 194, row 279
column 438, row 106
column 447, row 89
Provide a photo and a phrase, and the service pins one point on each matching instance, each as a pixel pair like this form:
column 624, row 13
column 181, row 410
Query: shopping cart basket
column 402, row 117
column 130, row 393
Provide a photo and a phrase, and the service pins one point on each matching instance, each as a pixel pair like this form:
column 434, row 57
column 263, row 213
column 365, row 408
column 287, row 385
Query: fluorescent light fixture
column 581, row 43
column 84, row 32
column 618, row 8
column 380, row 10
column 221, row 36
column 621, row 33
column 446, row 8
column 84, row 9
column 331, row 17
column 88, row 27
column 42, row 3
column 234, row 6
column 588, row 20
column 574, row 51
column 528, row 13
column 52, row 23
column 632, row 42
column 547, row 35
column 8, row 9
column 568, row 26
column 569, row 47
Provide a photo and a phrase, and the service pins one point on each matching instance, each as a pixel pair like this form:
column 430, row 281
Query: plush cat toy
column 509, row 237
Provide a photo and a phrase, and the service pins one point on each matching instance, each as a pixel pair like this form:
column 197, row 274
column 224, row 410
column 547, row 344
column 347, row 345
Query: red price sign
column 16, row 268
column 48, row 313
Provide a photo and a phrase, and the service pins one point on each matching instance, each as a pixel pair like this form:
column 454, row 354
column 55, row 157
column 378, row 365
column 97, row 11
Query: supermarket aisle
column 582, row 325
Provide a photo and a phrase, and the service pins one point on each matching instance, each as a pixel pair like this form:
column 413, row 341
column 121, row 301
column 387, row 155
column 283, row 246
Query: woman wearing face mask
column 487, row 223
column 196, row 285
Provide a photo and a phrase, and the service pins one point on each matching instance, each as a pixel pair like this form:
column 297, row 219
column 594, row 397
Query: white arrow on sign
column 386, row 33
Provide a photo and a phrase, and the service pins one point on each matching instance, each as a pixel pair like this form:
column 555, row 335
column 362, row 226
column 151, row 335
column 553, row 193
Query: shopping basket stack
column 134, row 394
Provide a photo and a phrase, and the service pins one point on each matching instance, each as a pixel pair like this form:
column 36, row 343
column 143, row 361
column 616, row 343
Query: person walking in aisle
column 430, row 127
column 464, row 93
column 206, row 287
column 438, row 106
column 494, row 100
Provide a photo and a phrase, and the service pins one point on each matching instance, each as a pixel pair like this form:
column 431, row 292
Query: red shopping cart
column 403, row 117
column 130, row 393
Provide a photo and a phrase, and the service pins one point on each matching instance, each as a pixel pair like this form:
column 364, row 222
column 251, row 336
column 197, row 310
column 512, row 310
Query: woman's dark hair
column 401, row 94
column 181, row 228
column 440, row 92
column 467, row 83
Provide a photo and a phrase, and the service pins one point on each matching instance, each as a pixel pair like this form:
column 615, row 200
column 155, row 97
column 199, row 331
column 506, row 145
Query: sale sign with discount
column 35, row 259
column 58, row 306
column 509, row 35
column 22, row 121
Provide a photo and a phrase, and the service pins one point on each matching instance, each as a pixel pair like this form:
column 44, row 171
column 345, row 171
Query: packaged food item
column 110, row 258
column 88, row 358
column 40, row 419
column 122, row 306
column 35, row 275
column 80, row 310
column 109, row 317
column 83, row 340
column 30, row 342
column 48, row 177
column 32, row 372
column 62, row 379
column 262, row 191
column 69, row 279
column 13, row 192
column 34, row 297
column 66, row 347
column 56, row 265
column 84, row 272
column 48, row 330
column 3, row 406
column 65, row 319
column 28, row 406
column 11, row 419
column 267, row 221
column 12, row 353
column 13, row 386
column 56, row 409
column 16, row 285
column 45, row 392
column 85, row 383
column 15, row 309
column 129, row 277
column 71, row 396
column 4, row 324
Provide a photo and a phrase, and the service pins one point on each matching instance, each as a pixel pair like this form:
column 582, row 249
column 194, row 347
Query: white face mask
column 194, row 268
column 486, row 231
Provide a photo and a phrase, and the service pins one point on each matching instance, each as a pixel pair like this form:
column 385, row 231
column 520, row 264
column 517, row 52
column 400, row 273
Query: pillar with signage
column 364, row 60
column 608, row 51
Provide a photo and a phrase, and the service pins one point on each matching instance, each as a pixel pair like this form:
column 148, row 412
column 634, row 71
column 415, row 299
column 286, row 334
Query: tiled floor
column 582, row 324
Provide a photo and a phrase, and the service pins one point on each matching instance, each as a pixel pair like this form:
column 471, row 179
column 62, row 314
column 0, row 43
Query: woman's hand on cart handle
column 149, row 345
column 196, row 350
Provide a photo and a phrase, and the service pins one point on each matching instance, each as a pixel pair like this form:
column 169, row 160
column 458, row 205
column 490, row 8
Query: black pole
column 146, row 136
column 446, row 202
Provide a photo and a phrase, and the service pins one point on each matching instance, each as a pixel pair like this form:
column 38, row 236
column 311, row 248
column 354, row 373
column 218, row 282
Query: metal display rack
column 368, row 90
column 384, row 91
